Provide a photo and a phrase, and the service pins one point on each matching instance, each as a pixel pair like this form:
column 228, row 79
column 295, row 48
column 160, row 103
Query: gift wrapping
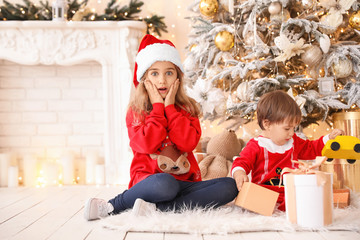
column 309, row 199
column 257, row 199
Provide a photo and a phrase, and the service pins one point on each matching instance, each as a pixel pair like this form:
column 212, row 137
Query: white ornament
column 274, row 8
column 326, row 85
column 307, row 3
column 288, row 48
column 241, row 91
column 209, row 97
column 324, row 43
column 342, row 68
column 312, row 56
column 335, row 10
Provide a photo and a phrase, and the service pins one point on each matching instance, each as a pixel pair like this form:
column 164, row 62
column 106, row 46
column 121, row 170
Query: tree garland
column 113, row 12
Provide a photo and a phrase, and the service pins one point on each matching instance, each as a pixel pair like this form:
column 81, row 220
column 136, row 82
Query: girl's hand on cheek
column 170, row 96
column 154, row 94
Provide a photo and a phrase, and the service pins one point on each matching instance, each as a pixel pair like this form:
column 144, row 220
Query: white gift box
column 309, row 199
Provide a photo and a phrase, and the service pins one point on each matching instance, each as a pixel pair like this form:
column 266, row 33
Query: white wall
column 50, row 110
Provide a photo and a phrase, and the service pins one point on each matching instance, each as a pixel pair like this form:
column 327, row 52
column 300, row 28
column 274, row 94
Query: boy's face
column 162, row 75
column 279, row 133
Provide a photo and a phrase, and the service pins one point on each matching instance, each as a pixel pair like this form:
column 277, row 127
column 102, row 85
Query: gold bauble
column 208, row 8
column 354, row 20
column 224, row 40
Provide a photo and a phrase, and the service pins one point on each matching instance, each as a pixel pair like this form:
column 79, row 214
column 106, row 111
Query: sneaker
column 143, row 208
column 96, row 208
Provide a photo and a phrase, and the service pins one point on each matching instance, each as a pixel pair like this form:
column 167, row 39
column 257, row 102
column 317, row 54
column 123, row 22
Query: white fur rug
column 226, row 220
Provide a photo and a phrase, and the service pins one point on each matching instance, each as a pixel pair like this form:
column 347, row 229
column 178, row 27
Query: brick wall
column 50, row 110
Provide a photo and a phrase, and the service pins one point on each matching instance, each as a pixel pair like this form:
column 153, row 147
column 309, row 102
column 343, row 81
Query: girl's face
column 162, row 75
column 279, row 133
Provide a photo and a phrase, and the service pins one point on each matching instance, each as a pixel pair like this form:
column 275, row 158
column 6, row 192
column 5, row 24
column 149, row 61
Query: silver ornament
column 312, row 56
column 342, row 68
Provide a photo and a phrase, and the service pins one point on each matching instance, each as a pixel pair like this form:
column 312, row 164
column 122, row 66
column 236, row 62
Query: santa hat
column 152, row 50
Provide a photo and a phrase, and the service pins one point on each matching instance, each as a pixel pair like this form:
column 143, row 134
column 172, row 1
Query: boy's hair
column 140, row 102
column 277, row 107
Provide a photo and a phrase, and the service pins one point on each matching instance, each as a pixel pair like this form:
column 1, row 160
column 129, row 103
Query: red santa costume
column 264, row 160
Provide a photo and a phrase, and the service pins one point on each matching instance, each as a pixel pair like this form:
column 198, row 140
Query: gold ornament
column 354, row 20
column 342, row 68
column 312, row 56
column 208, row 8
column 224, row 40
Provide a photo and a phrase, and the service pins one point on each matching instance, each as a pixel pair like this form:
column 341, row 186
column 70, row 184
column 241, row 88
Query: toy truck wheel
column 351, row 161
column 329, row 159
column 357, row 148
column 335, row 146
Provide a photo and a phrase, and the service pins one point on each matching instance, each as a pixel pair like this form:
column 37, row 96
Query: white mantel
column 112, row 44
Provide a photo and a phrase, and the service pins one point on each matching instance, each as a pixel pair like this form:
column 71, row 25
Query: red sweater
column 182, row 129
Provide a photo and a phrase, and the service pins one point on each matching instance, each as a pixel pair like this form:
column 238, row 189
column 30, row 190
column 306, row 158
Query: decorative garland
column 113, row 12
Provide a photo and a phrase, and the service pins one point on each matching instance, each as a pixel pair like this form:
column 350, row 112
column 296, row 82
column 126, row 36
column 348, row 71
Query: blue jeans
column 170, row 194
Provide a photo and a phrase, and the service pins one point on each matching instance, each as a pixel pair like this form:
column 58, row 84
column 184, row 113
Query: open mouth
column 162, row 90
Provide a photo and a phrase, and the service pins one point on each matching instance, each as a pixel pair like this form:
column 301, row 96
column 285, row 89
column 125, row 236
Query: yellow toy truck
column 342, row 147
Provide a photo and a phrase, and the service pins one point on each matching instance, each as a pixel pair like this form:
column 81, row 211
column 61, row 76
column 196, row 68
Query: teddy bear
column 220, row 151
column 170, row 160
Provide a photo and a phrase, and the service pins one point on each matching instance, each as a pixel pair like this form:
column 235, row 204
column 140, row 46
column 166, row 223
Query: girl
column 265, row 156
column 162, row 124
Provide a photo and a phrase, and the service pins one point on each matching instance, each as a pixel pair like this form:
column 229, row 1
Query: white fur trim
column 235, row 169
column 272, row 147
column 153, row 53
column 326, row 138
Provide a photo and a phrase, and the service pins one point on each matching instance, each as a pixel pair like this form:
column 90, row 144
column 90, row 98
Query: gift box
column 309, row 199
column 257, row 199
column 341, row 198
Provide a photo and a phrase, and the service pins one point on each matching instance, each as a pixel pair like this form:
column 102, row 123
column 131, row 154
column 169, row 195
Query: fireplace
column 112, row 45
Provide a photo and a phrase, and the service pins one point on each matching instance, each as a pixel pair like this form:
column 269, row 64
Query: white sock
column 110, row 207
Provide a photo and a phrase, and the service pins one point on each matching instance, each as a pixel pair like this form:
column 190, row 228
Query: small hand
column 240, row 177
column 154, row 94
column 335, row 133
column 170, row 96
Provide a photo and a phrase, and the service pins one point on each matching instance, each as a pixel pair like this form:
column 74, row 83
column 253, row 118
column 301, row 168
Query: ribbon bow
column 306, row 168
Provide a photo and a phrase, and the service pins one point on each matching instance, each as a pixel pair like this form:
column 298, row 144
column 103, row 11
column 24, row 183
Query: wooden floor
column 57, row 213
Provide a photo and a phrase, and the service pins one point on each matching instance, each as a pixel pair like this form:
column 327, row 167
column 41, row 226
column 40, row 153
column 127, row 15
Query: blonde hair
column 277, row 107
column 141, row 105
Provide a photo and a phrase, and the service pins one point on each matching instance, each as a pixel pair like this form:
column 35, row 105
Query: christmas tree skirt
column 226, row 220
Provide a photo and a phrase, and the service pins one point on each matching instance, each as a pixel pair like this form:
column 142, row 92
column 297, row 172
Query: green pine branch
column 113, row 12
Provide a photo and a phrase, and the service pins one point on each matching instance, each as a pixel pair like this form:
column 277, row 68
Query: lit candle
column 13, row 176
column 91, row 160
column 5, row 159
column 29, row 170
column 51, row 173
column 67, row 162
column 100, row 174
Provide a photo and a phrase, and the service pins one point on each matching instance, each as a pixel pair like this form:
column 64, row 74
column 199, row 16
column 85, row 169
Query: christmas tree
column 239, row 50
